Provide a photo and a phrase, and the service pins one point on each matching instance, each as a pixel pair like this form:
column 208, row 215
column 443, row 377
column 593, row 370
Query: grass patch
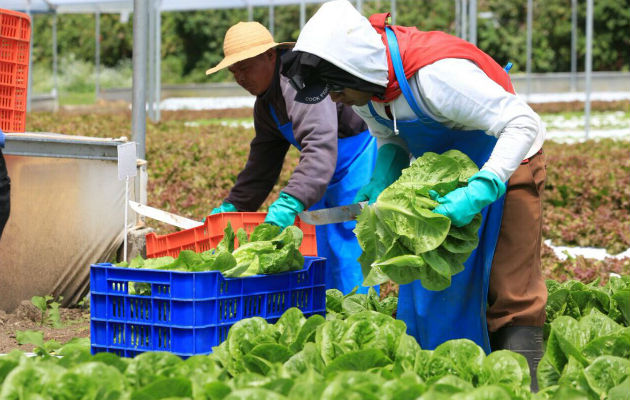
column 76, row 98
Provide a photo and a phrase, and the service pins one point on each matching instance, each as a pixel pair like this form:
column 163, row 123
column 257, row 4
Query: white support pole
column 151, row 63
column 158, row 59
column 588, row 67
column 528, row 67
column 138, row 107
column 573, row 45
column 359, row 6
column 271, row 18
column 393, row 11
column 97, row 54
column 302, row 13
column 458, row 13
column 250, row 11
column 29, row 85
column 472, row 30
column 126, row 218
column 55, row 90
column 464, row 19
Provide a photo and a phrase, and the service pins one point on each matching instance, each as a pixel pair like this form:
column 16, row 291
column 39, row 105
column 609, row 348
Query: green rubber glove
column 282, row 212
column 224, row 207
column 462, row 204
column 390, row 161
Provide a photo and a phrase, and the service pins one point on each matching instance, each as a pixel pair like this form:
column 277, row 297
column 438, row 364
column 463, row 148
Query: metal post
column 359, row 6
column 29, row 85
column 151, row 61
column 158, row 59
column 573, row 45
column 138, row 108
column 55, row 91
column 393, row 11
column 97, row 53
column 588, row 67
column 458, row 24
column 472, row 12
column 271, row 17
column 529, row 46
column 302, row 13
column 463, row 18
column 250, row 11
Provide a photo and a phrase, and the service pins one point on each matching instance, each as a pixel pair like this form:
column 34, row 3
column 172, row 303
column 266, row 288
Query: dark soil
column 75, row 324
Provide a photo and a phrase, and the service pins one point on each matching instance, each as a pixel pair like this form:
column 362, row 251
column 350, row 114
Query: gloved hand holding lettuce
column 390, row 161
column 404, row 239
column 462, row 204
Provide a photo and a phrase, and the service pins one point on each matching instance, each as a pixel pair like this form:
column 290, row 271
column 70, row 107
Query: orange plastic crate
column 208, row 235
column 15, row 35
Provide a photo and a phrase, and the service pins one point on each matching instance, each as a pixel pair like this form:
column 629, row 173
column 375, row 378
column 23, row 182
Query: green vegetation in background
column 76, row 79
column 193, row 41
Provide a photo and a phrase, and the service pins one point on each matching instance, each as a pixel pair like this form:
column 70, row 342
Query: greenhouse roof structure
column 116, row 6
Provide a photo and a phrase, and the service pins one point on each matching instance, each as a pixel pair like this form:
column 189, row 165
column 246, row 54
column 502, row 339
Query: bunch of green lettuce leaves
column 403, row 240
column 587, row 358
column 576, row 299
column 268, row 250
column 339, row 306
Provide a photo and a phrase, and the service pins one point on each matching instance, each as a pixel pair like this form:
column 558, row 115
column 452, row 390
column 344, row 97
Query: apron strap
column 286, row 129
column 400, row 73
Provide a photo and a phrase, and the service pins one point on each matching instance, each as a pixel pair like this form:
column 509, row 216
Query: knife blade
column 333, row 215
column 164, row 216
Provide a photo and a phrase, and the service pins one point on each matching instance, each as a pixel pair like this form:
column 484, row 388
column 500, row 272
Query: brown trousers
column 517, row 294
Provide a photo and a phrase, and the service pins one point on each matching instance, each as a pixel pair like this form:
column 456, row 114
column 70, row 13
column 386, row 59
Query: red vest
column 418, row 49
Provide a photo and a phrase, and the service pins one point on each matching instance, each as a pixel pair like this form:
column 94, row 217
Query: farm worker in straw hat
column 430, row 91
column 337, row 152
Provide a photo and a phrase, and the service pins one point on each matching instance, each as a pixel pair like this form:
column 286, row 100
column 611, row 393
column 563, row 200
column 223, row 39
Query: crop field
column 195, row 156
column 358, row 350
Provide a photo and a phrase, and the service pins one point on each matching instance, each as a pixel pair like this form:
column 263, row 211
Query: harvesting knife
column 333, row 215
column 164, row 216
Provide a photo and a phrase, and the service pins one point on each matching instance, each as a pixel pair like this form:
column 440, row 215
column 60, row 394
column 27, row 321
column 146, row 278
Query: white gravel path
column 213, row 103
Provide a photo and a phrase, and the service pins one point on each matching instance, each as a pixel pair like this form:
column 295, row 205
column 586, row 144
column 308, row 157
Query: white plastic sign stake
column 126, row 160
column 126, row 169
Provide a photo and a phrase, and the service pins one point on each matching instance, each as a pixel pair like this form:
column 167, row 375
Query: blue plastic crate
column 188, row 313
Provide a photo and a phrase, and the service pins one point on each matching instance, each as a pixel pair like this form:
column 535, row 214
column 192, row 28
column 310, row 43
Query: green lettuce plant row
column 587, row 358
column 366, row 356
column 576, row 299
column 403, row 240
column 355, row 352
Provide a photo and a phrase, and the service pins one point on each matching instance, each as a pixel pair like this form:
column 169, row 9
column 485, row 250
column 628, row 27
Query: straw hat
column 245, row 40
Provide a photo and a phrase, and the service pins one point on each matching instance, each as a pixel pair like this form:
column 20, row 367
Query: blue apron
column 460, row 310
column 356, row 156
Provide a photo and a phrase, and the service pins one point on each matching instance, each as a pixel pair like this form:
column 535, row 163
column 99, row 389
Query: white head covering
column 339, row 34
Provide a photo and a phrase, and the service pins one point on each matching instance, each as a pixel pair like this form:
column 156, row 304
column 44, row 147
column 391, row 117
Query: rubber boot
column 525, row 340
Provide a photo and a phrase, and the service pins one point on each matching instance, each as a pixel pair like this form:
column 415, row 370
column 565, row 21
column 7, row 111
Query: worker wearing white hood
column 430, row 91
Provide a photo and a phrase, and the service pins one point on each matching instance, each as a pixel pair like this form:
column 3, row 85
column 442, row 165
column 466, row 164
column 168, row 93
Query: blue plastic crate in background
column 188, row 313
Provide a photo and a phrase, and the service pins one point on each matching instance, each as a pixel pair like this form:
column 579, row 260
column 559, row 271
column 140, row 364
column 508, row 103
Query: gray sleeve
column 264, row 164
column 315, row 129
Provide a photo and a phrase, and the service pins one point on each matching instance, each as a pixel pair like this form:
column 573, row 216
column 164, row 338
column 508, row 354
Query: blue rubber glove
column 282, row 212
column 462, row 204
column 390, row 161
